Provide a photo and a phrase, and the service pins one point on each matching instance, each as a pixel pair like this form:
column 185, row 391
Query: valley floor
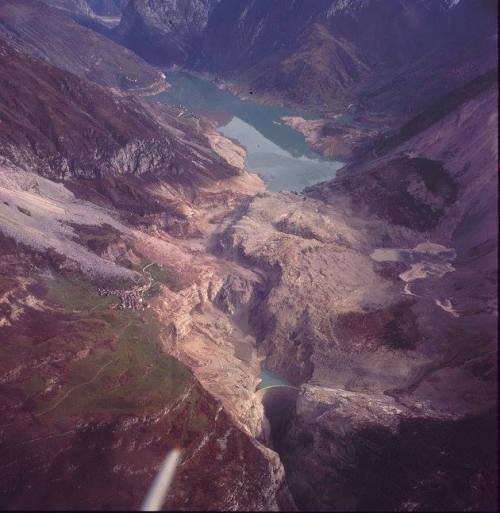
column 147, row 278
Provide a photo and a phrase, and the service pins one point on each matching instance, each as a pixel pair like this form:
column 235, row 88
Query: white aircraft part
column 158, row 491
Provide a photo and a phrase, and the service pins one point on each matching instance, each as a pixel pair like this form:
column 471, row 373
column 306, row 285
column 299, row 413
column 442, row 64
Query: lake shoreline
column 278, row 153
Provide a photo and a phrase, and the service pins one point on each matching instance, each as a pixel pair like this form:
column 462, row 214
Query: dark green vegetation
column 166, row 276
column 99, row 238
column 134, row 359
column 89, row 401
column 122, row 368
column 160, row 274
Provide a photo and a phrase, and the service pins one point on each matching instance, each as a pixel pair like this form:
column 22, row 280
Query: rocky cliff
column 96, row 189
column 381, row 303
column 66, row 127
column 90, row 7
column 146, row 277
column 91, row 404
column 164, row 32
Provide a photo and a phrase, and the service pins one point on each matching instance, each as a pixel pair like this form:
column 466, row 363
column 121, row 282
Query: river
column 278, row 153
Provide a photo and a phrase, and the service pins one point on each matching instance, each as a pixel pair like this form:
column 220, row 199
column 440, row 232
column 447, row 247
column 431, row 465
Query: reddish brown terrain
column 90, row 401
column 146, row 277
column 90, row 7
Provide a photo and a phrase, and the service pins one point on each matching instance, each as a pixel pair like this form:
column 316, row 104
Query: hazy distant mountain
column 165, row 32
column 147, row 279
column 52, row 35
column 391, row 56
column 91, row 7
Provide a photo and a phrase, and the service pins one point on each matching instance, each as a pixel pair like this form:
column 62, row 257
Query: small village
column 129, row 299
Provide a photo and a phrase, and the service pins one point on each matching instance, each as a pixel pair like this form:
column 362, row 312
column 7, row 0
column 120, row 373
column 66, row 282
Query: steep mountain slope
column 91, row 7
column 164, row 32
column 51, row 35
column 97, row 194
column 90, row 402
column 384, row 56
column 107, row 7
column 146, row 277
column 64, row 126
column 349, row 51
column 382, row 304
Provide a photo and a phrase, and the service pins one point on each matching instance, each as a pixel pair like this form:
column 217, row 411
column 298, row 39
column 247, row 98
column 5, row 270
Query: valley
column 278, row 154
column 280, row 258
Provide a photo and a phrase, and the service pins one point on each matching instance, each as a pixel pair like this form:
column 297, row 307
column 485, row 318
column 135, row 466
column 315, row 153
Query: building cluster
column 129, row 299
column 184, row 112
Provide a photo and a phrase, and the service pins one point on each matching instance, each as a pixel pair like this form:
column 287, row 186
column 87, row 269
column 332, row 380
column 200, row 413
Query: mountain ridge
column 365, row 43
column 57, row 41
column 147, row 278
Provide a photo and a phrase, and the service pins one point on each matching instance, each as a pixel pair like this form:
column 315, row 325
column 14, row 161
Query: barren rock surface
column 147, row 278
column 98, row 396
column 374, row 353
column 331, row 139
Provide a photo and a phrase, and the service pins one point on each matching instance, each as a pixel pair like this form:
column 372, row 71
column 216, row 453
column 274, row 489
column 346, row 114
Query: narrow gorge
column 262, row 233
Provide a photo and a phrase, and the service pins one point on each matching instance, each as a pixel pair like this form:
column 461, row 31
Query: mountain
column 91, row 7
column 383, row 56
column 381, row 305
column 52, row 35
column 95, row 188
column 68, row 127
column 147, row 279
column 164, row 32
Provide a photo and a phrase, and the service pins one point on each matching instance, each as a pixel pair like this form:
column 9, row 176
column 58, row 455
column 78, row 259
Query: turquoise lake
column 279, row 154
column 269, row 379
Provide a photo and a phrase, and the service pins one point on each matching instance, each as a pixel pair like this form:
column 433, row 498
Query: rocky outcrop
column 114, row 400
column 164, row 32
column 207, row 327
column 90, row 7
column 84, row 419
column 373, row 294
column 368, row 452
column 391, row 351
column 94, row 188
column 82, row 130
column 332, row 139
column 312, row 256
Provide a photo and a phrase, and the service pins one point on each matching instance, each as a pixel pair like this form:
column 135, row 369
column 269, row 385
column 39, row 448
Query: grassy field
column 122, row 370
